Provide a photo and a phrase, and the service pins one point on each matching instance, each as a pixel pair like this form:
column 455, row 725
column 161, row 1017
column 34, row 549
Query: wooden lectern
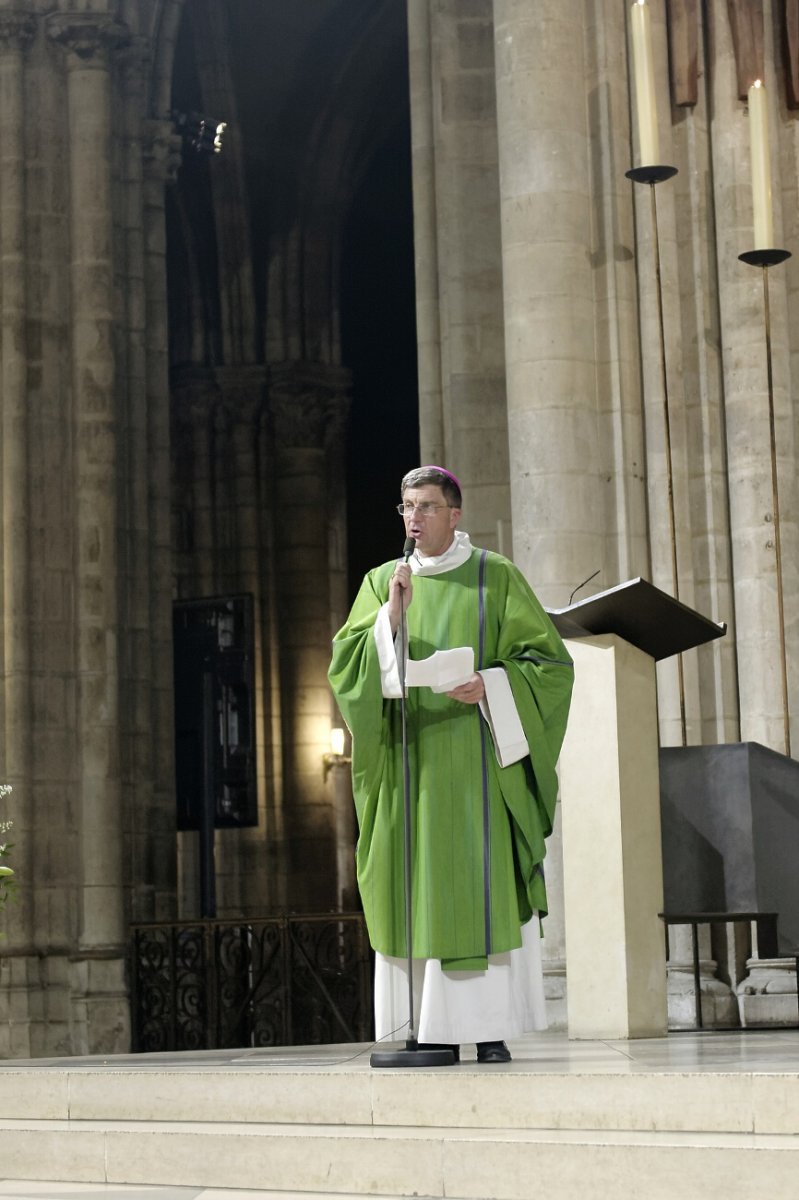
column 610, row 806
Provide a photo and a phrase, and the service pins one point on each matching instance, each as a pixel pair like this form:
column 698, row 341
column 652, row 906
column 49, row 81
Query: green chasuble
column 479, row 828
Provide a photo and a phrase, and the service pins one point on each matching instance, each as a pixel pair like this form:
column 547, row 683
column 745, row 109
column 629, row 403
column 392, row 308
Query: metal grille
column 278, row 981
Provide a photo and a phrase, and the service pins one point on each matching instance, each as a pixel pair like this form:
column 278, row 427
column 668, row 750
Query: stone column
column 272, row 698
column 136, row 662
column 16, row 32
column 425, row 235
column 718, row 1003
column 242, row 389
column 691, row 464
column 192, row 404
column 746, row 407
column 620, row 441
column 228, row 186
column 696, row 385
column 99, row 1001
column 193, row 398
column 340, row 781
column 300, row 399
column 545, row 206
column 161, row 152
column 458, row 256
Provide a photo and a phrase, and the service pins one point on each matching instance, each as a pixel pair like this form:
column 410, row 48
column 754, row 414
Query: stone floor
column 551, row 1056
column 727, row 1050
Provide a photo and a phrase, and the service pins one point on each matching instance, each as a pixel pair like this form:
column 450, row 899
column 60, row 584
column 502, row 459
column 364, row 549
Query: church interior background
column 417, row 243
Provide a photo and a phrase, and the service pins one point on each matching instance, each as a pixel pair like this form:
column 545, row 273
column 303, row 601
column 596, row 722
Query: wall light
column 335, row 757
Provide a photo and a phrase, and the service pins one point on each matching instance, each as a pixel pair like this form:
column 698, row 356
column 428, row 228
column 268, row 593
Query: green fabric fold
column 450, row 888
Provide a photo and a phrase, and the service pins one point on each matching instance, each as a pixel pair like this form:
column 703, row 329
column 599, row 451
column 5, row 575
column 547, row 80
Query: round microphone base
column 412, row 1056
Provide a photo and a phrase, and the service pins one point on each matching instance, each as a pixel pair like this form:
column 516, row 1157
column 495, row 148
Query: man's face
column 433, row 528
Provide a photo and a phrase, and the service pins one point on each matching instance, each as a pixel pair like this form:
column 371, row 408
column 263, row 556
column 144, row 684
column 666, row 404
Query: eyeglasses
column 426, row 509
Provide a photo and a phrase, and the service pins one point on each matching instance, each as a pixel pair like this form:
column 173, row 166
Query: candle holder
column 653, row 175
column 765, row 259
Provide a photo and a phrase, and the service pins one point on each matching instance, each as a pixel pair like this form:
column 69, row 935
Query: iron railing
column 277, row 981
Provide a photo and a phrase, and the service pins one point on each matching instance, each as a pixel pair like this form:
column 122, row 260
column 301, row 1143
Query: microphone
column 408, row 548
column 582, row 585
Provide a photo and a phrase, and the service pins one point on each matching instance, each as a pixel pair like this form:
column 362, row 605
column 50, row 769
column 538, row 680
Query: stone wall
column 86, row 733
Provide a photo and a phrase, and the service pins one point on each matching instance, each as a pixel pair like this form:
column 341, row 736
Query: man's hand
column 400, row 594
column 471, row 692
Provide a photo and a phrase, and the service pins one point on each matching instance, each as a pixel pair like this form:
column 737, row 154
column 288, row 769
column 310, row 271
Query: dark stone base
column 730, row 819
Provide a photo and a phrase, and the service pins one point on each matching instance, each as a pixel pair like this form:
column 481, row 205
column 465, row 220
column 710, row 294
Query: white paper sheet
column 442, row 671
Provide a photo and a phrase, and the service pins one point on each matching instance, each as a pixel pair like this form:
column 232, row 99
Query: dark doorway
column 286, row 69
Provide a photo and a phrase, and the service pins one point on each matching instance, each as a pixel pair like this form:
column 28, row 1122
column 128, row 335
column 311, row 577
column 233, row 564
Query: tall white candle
column 644, row 70
column 761, row 167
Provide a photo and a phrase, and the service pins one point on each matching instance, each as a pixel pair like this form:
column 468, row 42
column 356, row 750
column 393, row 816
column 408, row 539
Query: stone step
column 48, row 1189
column 43, row 1189
column 458, row 1097
column 696, row 1115
column 472, row 1164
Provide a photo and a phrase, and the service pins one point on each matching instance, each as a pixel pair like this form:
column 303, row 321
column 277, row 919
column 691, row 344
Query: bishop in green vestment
column 482, row 755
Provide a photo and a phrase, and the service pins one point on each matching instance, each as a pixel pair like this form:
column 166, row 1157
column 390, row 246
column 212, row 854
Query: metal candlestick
column 765, row 259
column 653, row 175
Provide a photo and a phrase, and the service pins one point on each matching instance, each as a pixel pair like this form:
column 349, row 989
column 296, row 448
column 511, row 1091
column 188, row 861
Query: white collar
column 455, row 555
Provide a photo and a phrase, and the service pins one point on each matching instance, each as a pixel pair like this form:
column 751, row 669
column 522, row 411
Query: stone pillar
column 193, row 402
column 620, row 440
column 192, row 406
column 718, row 1003
column 161, row 153
column 19, row 975
column 16, row 32
column 140, row 821
column 545, row 206
column 425, row 234
column 274, row 866
column 746, row 407
column 696, row 383
column 768, row 995
column 300, row 405
column 242, row 391
column 228, row 186
column 458, row 256
column 544, row 156
column 340, row 781
column 100, row 1012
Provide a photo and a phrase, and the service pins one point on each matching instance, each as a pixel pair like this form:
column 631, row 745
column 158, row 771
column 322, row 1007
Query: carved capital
column 88, row 38
column 17, row 31
column 242, row 389
column 299, row 419
column 304, row 400
column 338, row 415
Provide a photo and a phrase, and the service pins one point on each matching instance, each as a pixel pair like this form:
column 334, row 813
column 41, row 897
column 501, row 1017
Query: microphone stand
column 412, row 1055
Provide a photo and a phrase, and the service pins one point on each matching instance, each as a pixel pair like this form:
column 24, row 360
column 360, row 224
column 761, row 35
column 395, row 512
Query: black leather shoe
column 456, row 1050
column 492, row 1052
